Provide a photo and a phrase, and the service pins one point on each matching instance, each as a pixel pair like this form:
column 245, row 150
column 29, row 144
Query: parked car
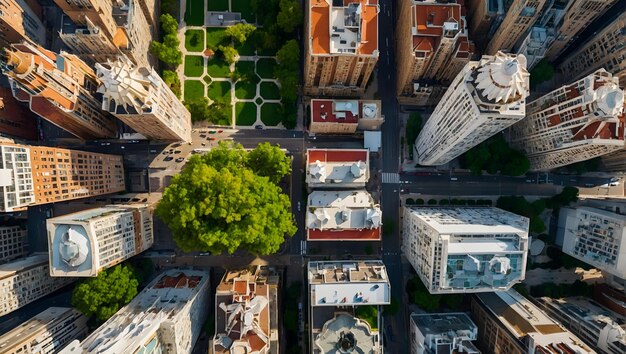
column 177, row 152
column 258, row 126
column 212, row 131
column 203, row 135
column 168, row 158
column 180, row 159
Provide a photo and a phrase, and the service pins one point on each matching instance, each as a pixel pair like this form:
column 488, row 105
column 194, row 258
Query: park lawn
column 245, row 68
column 265, row 68
column 245, row 8
column 194, row 13
column 247, row 48
column 271, row 114
column 217, row 67
column 194, row 66
column 245, row 90
column 194, row 40
column 217, row 5
column 193, row 89
column 270, row 91
column 215, row 37
column 219, row 91
column 245, row 112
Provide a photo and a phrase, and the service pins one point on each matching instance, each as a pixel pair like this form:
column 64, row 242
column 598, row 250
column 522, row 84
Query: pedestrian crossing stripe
column 391, row 178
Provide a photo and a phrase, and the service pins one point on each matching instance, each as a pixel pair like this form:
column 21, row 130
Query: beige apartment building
column 604, row 50
column 13, row 242
column 520, row 16
column 344, row 116
column 573, row 123
column 437, row 48
column 60, row 88
column 19, row 22
column 342, row 46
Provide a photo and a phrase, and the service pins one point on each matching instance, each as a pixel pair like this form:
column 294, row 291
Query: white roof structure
column 441, row 333
column 504, row 79
column 127, row 85
column 468, row 220
column 337, row 168
column 610, row 99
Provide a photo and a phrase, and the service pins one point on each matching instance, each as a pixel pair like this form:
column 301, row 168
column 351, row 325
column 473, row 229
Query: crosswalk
column 389, row 177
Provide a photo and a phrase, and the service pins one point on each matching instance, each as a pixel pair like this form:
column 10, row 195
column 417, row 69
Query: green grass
column 194, row 65
column 259, row 101
column 194, row 40
column 271, row 114
column 219, row 91
column 247, row 48
column 193, row 89
column 245, row 112
column 216, row 67
column 245, row 8
column 270, row 91
column 265, row 68
column 194, row 13
column 207, row 79
column 245, row 90
column 215, row 37
column 217, row 5
column 245, row 68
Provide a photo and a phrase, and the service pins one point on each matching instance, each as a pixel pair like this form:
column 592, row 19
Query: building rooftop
column 126, row 89
column 348, row 333
column 446, row 333
column 342, row 215
column 585, row 310
column 343, row 27
column 472, row 220
column 345, row 283
column 343, row 111
column 334, row 167
column 34, row 260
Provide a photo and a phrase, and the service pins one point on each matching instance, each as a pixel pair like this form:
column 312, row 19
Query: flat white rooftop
column 490, row 246
column 472, row 221
column 342, row 210
column 337, row 167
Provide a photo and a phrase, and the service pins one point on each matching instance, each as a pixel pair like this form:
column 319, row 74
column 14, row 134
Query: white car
column 298, row 206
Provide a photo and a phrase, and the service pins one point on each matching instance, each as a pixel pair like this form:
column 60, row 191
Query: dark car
column 168, row 158
column 180, row 159
column 258, row 126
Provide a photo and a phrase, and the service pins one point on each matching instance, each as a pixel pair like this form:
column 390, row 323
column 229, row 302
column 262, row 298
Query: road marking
column 391, row 178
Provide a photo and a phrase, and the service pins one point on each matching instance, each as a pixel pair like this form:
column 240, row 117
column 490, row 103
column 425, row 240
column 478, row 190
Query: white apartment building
column 337, row 168
column 84, row 243
column 166, row 317
column 26, row 280
column 47, row 332
column 597, row 237
column 465, row 249
column 573, row 123
column 13, row 242
column 138, row 96
column 442, row 333
column 601, row 329
column 486, row 97
column 16, row 178
column 343, row 215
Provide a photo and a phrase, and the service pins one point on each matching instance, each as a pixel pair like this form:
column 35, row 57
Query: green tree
column 219, row 204
column 168, row 51
column 229, row 53
column 289, row 55
column 201, row 110
column 169, row 25
column 432, row 201
column 290, row 15
column 172, row 80
column 368, row 313
column 287, row 71
column 240, row 32
column 289, row 111
column 419, row 295
column 103, row 295
column 269, row 161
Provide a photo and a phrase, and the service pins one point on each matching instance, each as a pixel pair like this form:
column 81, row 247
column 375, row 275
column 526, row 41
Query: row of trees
column 168, row 53
column 495, row 155
column 228, row 199
column 420, row 296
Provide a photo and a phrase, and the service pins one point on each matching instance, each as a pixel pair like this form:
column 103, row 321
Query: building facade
column 465, row 249
column 615, row 161
column 18, row 22
column 576, row 122
column 486, row 97
column 245, row 316
column 31, row 175
column 520, row 16
column 84, row 243
column 47, row 332
column 13, row 242
column 26, row 280
column 15, row 118
column 140, row 98
column 337, row 168
column 60, row 88
column 604, row 50
column 341, row 48
column 509, row 323
column 344, row 116
column 167, row 316
column 441, row 333
column 433, row 46
column 484, row 17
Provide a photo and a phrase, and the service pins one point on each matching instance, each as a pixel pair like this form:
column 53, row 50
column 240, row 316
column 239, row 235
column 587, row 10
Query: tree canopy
column 201, row 110
column 167, row 51
column 240, row 32
column 105, row 294
column 290, row 15
column 220, row 204
column 172, row 80
column 270, row 161
column 229, row 53
column 495, row 155
column 287, row 71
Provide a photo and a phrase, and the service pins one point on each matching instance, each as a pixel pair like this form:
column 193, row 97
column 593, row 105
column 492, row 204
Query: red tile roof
column 343, row 235
column 330, row 117
column 336, row 155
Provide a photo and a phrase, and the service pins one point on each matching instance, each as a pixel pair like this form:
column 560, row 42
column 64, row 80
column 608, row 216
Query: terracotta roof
column 428, row 23
column 336, row 155
column 327, row 114
column 369, row 29
column 320, row 27
column 343, row 235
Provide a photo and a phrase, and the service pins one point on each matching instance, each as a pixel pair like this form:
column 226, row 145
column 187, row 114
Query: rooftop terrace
column 343, row 111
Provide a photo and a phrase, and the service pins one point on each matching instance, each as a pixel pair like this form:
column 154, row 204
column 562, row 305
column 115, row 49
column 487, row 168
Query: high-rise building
column 486, row 97
column 441, row 333
column 47, row 332
column 341, row 47
column 59, row 88
column 484, row 17
column 510, row 323
column 465, row 250
column 31, row 175
column 520, row 16
column 13, row 242
column 337, row 168
column 345, row 116
column 15, row 118
column 558, row 26
column 140, row 98
column 98, row 30
column 573, row 123
column 26, row 280
column 18, row 22
column 246, row 318
column 604, row 331
column 432, row 44
column 166, row 317
column 605, row 49
column 84, row 243
column 344, row 215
